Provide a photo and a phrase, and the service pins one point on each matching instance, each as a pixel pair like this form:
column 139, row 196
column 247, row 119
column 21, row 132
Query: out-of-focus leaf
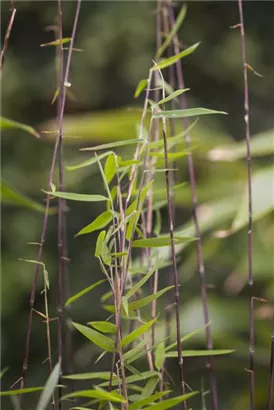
column 21, row 391
column 260, row 145
column 10, row 195
column 138, row 304
column 114, row 145
column 90, row 376
column 83, row 292
column 190, row 112
column 88, row 162
column 139, row 284
column 3, row 372
column 140, row 87
column 134, row 378
column 172, row 96
column 50, row 385
column 140, row 403
column 159, row 356
column 101, row 249
column 64, row 40
column 97, row 338
column 136, row 333
column 186, row 337
column 77, row 197
column 7, row 124
column 104, row 327
column 172, row 60
column 171, row 403
column 176, row 26
column 100, row 222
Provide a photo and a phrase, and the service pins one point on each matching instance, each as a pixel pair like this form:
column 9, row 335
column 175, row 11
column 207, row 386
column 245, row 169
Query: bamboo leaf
column 50, row 385
column 88, row 162
column 97, row 338
column 77, row 197
column 172, row 60
column 116, row 144
column 16, row 392
column 110, row 168
column 190, row 112
column 101, row 249
column 100, row 222
column 160, row 241
column 159, row 356
column 140, row 87
column 134, row 378
column 140, row 403
column 136, row 333
column 149, row 388
column 97, row 394
column 199, row 353
column 187, row 337
column 176, row 26
column 90, row 376
column 138, row 304
column 64, row 40
column 170, row 403
column 83, row 292
column 139, row 284
column 104, row 327
column 10, row 195
column 172, row 96
column 7, row 124
column 3, row 372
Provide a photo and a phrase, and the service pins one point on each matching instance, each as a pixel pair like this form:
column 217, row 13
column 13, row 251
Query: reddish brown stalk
column 44, row 229
column 201, row 267
column 250, row 213
column 7, row 35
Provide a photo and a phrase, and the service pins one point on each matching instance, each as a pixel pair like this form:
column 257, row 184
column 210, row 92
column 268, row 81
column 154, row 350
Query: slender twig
column 7, row 35
column 271, row 376
column 174, row 263
column 44, row 228
column 250, row 217
column 199, row 251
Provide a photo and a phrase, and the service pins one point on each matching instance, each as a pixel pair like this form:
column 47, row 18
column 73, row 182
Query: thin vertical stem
column 199, row 251
column 7, row 35
column 250, row 216
column 271, row 376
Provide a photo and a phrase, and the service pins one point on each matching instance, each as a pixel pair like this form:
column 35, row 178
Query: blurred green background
column 118, row 43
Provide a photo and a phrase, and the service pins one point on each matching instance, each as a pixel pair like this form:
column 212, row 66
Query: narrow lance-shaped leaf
column 97, row 338
column 136, row 333
column 176, row 26
column 172, row 60
column 83, row 292
column 104, row 327
column 64, row 40
column 88, row 162
column 187, row 337
column 200, row 353
column 170, row 403
column 114, row 144
column 16, row 392
column 100, row 222
column 138, row 304
column 10, row 195
column 140, row 87
column 89, row 376
column 110, row 168
column 159, row 356
column 77, row 197
column 140, row 403
column 139, row 284
column 7, row 124
column 190, row 112
column 50, row 385
column 172, row 96
column 97, row 394
column 160, row 241
column 134, row 378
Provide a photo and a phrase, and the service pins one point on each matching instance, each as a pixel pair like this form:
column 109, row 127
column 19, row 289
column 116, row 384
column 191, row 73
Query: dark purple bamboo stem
column 191, row 170
column 250, row 213
column 7, row 35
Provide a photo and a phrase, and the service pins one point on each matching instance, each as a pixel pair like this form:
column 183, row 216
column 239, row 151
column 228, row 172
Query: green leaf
column 10, row 195
column 160, row 241
column 190, row 112
column 172, row 60
column 176, row 26
column 140, row 87
column 173, row 95
column 100, row 222
column 138, row 304
column 133, row 206
column 187, row 337
column 139, row 284
column 3, row 372
column 77, row 197
column 101, row 249
column 149, row 388
column 21, row 391
column 104, row 327
column 110, row 168
column 260, row 145
column 97, row 338
column 159, row 356
column 88, row 162
column 136, row 333
column 199, row 353
column 90, row 376
column 83, row 292
column 140, row 403
column 97, row 394
column 124, row 143
column 50, row 385
column 169, row 403
column 134, row 378
column 6, row 124
column 64, row 40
